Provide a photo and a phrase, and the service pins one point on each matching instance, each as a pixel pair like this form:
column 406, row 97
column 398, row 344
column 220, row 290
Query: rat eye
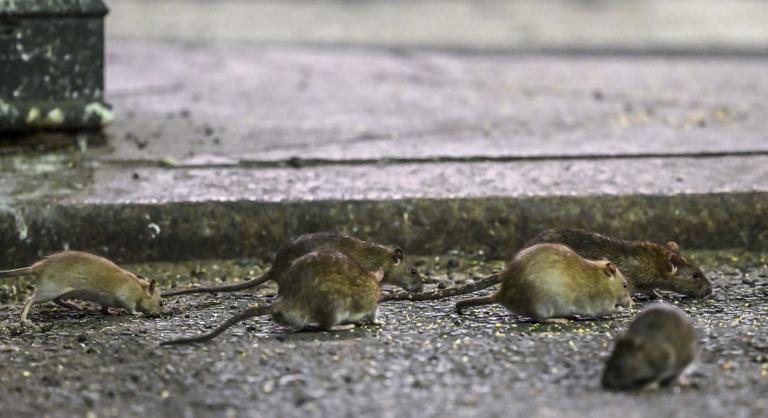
column 625, row 285
column 414, row 272
column 697, row 275
column 398, row 255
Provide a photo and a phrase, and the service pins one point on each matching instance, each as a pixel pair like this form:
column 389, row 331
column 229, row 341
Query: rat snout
column 706, row 289
column 151, row 307
column 625, row 302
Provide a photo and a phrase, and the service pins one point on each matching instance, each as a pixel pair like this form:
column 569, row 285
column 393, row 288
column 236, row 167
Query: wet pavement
column 424, row 361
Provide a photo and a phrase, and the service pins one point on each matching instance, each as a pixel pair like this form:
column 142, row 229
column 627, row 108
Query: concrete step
column 428, row 208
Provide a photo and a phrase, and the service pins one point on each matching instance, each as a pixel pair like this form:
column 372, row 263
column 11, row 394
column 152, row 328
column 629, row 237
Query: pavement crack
column 297, row 162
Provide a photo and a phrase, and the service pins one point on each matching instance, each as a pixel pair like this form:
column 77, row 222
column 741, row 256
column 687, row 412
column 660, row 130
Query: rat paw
column 24, row 327
column 344, row 327
column 108, row 311
column 560, row 321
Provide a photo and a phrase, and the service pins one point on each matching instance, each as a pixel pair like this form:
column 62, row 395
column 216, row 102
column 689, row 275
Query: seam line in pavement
column 319, row 162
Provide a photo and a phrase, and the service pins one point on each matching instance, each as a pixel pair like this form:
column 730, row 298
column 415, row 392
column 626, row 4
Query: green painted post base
column 52, row 65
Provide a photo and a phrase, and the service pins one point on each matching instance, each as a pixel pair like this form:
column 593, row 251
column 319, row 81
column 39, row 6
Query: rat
column 79, row 275
column 647, row 266
column 368, row 254
column 550, row 282
column 328, row 289
column 658, row 346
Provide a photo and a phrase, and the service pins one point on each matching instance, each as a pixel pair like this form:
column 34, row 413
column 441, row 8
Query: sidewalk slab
column 227, row 103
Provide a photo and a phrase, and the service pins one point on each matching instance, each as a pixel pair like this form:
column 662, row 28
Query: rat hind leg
column 44, row 293
column 333, row 321
column 328, row 321
column 371, row 318
column 25, row 310
column 32, row 300
column 331, row 316
column 344, row 327
column 669, row 380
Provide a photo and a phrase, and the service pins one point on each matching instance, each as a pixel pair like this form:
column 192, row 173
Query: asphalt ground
column 424, row 361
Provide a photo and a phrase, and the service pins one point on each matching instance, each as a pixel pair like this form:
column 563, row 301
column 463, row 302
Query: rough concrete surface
column 424, row 361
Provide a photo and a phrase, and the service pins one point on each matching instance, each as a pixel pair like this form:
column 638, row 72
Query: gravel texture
column 424, row 361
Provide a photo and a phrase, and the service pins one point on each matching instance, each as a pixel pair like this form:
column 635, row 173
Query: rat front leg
column 130, row 307
column 67, row 304
column 107, row 310
column 650, row 295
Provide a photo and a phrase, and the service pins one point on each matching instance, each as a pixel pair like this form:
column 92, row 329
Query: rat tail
column 246, row 313
column 487, row 300
column 18, row 272
column 437, row 294
column 226, row 288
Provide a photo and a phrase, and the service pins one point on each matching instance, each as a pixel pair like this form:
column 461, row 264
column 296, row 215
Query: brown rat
column 370, row 256
column 327, row 289
column 647, row 266
column 550, row 282
column 78, row 275
column 658, row 346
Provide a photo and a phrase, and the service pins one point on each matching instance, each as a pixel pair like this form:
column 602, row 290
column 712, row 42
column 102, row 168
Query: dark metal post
column 52, row 65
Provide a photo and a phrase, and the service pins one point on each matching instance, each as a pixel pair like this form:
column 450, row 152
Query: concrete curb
column 493, row 226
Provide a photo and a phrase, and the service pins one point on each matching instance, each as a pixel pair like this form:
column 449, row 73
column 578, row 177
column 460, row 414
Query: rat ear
column 672, row 246
column 610, row 269
column 398, row 256
column 152, row 286
column 673, row 262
